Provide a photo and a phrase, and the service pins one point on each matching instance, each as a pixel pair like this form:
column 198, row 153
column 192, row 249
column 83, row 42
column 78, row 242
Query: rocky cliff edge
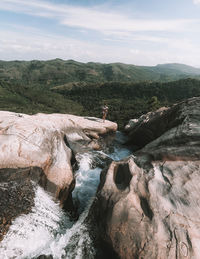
column 40, row 147
column 147, row 206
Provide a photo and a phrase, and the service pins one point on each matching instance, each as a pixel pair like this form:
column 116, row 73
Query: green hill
column 19, row 98
column 78, row 88
column 58, row 72
column 130, row 100
column 178, row 68
column 125, row 99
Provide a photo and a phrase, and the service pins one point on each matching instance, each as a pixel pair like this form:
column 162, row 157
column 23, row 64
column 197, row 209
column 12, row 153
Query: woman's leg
column 104, row 116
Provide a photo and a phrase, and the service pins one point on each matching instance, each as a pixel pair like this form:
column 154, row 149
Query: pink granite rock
column 45, row 141
column 147, row 205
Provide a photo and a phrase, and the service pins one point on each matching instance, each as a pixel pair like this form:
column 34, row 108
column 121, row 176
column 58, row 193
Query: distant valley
column 81, row 88
column 57, row 71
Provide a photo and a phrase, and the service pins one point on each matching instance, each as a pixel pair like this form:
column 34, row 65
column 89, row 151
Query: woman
column 104, row 112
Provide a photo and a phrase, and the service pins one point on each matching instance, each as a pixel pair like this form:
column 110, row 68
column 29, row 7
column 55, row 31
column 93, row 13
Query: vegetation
column 125, row 100
column 20, row 98
column 77, row 88
column 59, row 72
column 130, row 100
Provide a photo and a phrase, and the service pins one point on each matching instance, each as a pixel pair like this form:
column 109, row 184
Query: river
column 48, row 230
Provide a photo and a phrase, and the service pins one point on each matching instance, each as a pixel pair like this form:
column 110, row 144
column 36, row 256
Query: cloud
column 27, row 46
column 123, row 38
column 92, row 19
column 21, row 45
column 196, row 1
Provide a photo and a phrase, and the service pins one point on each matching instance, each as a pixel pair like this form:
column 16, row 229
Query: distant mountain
column 59, row 72
column 80, row 88
column 185, row 69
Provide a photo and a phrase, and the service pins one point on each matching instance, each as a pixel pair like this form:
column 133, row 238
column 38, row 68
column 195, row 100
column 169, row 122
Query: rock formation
column 17, row 194
column 39, row 147
column 147, row 206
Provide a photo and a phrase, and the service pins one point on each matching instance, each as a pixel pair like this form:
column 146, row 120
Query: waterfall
column 30, row 233
column 47, row 230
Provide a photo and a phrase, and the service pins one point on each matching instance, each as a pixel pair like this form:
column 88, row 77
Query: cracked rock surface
column 39, row 148
column 148, row 205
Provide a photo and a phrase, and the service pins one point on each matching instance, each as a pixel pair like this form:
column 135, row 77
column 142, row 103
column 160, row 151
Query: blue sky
column 140, row 32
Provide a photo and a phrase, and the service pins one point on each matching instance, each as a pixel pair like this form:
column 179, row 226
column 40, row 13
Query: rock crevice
column 42, row 148
column 157, row 214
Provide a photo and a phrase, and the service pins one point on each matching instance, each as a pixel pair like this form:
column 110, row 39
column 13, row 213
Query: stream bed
column 48, row 230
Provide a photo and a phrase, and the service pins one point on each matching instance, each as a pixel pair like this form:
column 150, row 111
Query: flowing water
column 47, row 230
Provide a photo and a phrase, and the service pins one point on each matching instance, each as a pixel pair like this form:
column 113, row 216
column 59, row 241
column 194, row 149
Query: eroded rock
column 40, row 148
column 17, row 194
column 38, row 140
column 147, row 206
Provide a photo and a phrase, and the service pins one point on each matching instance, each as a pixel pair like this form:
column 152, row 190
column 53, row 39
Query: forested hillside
column 58, row 72
column 78, row 88
column 130, row 100
column 125, row 99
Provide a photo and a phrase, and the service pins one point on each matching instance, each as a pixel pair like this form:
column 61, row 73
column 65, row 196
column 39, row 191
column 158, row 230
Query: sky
column 139, row 32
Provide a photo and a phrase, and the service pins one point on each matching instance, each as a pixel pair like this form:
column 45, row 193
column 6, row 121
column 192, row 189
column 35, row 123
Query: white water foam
column 87, row 180
column 75, row 242
column 47, row 230
column 34, row 231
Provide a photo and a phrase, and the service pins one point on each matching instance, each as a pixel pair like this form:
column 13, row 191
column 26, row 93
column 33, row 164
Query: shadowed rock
column 17, row 194
column 41, row 148
column 169, row 134
column 147, row 206
column 41, row 140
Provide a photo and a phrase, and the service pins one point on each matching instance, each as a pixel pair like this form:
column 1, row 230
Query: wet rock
column 17, row 197
column 99, row 159
column 41, row 148
column 44, row 257
column 45, row 141
column 147, row 206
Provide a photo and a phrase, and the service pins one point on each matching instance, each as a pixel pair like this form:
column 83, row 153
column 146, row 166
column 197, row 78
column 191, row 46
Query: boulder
column 172, row 132
column 147, row 206
column 40, row 148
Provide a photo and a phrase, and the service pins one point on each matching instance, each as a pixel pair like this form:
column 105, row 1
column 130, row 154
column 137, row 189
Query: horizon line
column 87, row 62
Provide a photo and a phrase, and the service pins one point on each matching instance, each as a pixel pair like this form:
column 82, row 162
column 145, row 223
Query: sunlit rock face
column 42, row 140
column 148, row 205
column 169, row 134
column 39, row 148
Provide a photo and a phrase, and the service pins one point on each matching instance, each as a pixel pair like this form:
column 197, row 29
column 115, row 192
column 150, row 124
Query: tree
column 154, row 104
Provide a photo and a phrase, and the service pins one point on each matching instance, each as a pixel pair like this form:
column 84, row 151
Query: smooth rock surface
column 39, row 148
column 147, row 206
column 39, row 140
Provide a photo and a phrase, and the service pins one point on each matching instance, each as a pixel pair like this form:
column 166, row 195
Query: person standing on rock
column 104, row 111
